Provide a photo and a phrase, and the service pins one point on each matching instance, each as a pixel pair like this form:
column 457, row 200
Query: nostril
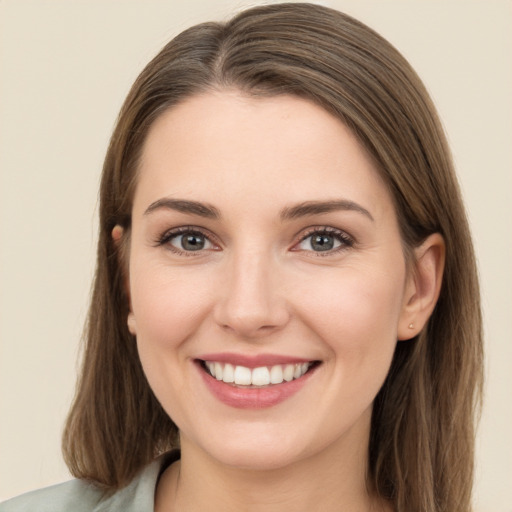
column 244, row 329
column 251, row 318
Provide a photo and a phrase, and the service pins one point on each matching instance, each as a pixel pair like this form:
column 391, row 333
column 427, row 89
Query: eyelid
column 346, row 240
column 169, row 234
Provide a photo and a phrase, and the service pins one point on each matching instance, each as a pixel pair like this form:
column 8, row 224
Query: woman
column 285, row 287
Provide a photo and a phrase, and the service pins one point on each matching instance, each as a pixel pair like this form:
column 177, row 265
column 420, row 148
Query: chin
column 257, row 452
column 258, row 458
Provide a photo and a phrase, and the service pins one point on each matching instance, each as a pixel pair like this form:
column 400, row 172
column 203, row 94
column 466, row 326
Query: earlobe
column 132, row 324
column 119, row 236
column 117, row 233
column 423, row 286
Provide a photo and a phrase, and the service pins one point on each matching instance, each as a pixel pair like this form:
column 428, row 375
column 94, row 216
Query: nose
column 251, row 304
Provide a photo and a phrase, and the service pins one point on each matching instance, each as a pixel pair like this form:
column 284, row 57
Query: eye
column 186, row 240
column 191, row 242
column 325, row 240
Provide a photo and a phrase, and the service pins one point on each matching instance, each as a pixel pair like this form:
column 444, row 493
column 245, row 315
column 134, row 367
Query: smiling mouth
column 260, row 377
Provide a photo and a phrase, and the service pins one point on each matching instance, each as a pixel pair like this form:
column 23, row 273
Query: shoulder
column 81, row 496
column 74, row 495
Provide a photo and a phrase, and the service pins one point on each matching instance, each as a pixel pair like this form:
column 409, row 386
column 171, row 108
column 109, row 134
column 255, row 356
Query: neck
column 331, row 480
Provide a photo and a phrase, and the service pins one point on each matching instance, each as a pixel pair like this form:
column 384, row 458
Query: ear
column 117, row 235
column 120, row 243
column 423, row 286
column 132, row 324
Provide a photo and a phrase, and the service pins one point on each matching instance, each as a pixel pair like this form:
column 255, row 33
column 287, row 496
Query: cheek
column 167, row 307
column 355, row 312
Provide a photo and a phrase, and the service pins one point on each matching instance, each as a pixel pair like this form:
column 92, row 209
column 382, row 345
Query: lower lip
column 253, row 398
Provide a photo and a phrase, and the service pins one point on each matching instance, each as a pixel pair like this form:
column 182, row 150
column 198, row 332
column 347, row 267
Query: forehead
column 222, row 145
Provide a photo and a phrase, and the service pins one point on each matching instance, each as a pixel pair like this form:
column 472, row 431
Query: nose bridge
column 251, row 304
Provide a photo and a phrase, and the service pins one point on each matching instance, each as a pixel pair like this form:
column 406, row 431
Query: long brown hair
column 422, row 433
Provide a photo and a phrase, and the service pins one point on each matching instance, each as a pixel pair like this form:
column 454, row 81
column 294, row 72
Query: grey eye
column 319, row 242
column 191, row 242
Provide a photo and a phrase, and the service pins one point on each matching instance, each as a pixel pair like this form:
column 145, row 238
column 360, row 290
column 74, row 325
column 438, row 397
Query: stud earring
column 411, row 326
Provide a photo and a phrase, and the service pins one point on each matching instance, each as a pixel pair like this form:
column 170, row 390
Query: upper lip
column 254, row 360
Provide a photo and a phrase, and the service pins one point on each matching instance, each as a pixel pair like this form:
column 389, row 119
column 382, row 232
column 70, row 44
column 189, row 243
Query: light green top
column 80, row 496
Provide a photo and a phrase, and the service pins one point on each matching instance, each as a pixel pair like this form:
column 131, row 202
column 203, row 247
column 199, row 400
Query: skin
column 259, row 286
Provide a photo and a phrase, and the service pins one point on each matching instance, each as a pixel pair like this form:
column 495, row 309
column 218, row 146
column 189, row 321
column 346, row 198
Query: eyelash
column 168, row 236
column 343, row 238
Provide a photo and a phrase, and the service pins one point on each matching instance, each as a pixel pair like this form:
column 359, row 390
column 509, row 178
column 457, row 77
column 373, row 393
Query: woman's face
column 265, row 250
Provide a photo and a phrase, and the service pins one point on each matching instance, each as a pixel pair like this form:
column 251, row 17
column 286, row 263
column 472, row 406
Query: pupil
column 322, row 242
column 192, row 242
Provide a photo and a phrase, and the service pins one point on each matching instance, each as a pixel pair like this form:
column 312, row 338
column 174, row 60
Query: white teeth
column 218, row 371
column 261, row 376
column 243, row 376
column 288, row 372
column 228, row 375
column 276, row 374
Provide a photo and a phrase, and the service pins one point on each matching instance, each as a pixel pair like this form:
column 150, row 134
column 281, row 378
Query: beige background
column 66, row 66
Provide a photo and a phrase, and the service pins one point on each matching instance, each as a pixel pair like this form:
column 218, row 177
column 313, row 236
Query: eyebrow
column 289, row 213
column 185, row 206
column 319, row 207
